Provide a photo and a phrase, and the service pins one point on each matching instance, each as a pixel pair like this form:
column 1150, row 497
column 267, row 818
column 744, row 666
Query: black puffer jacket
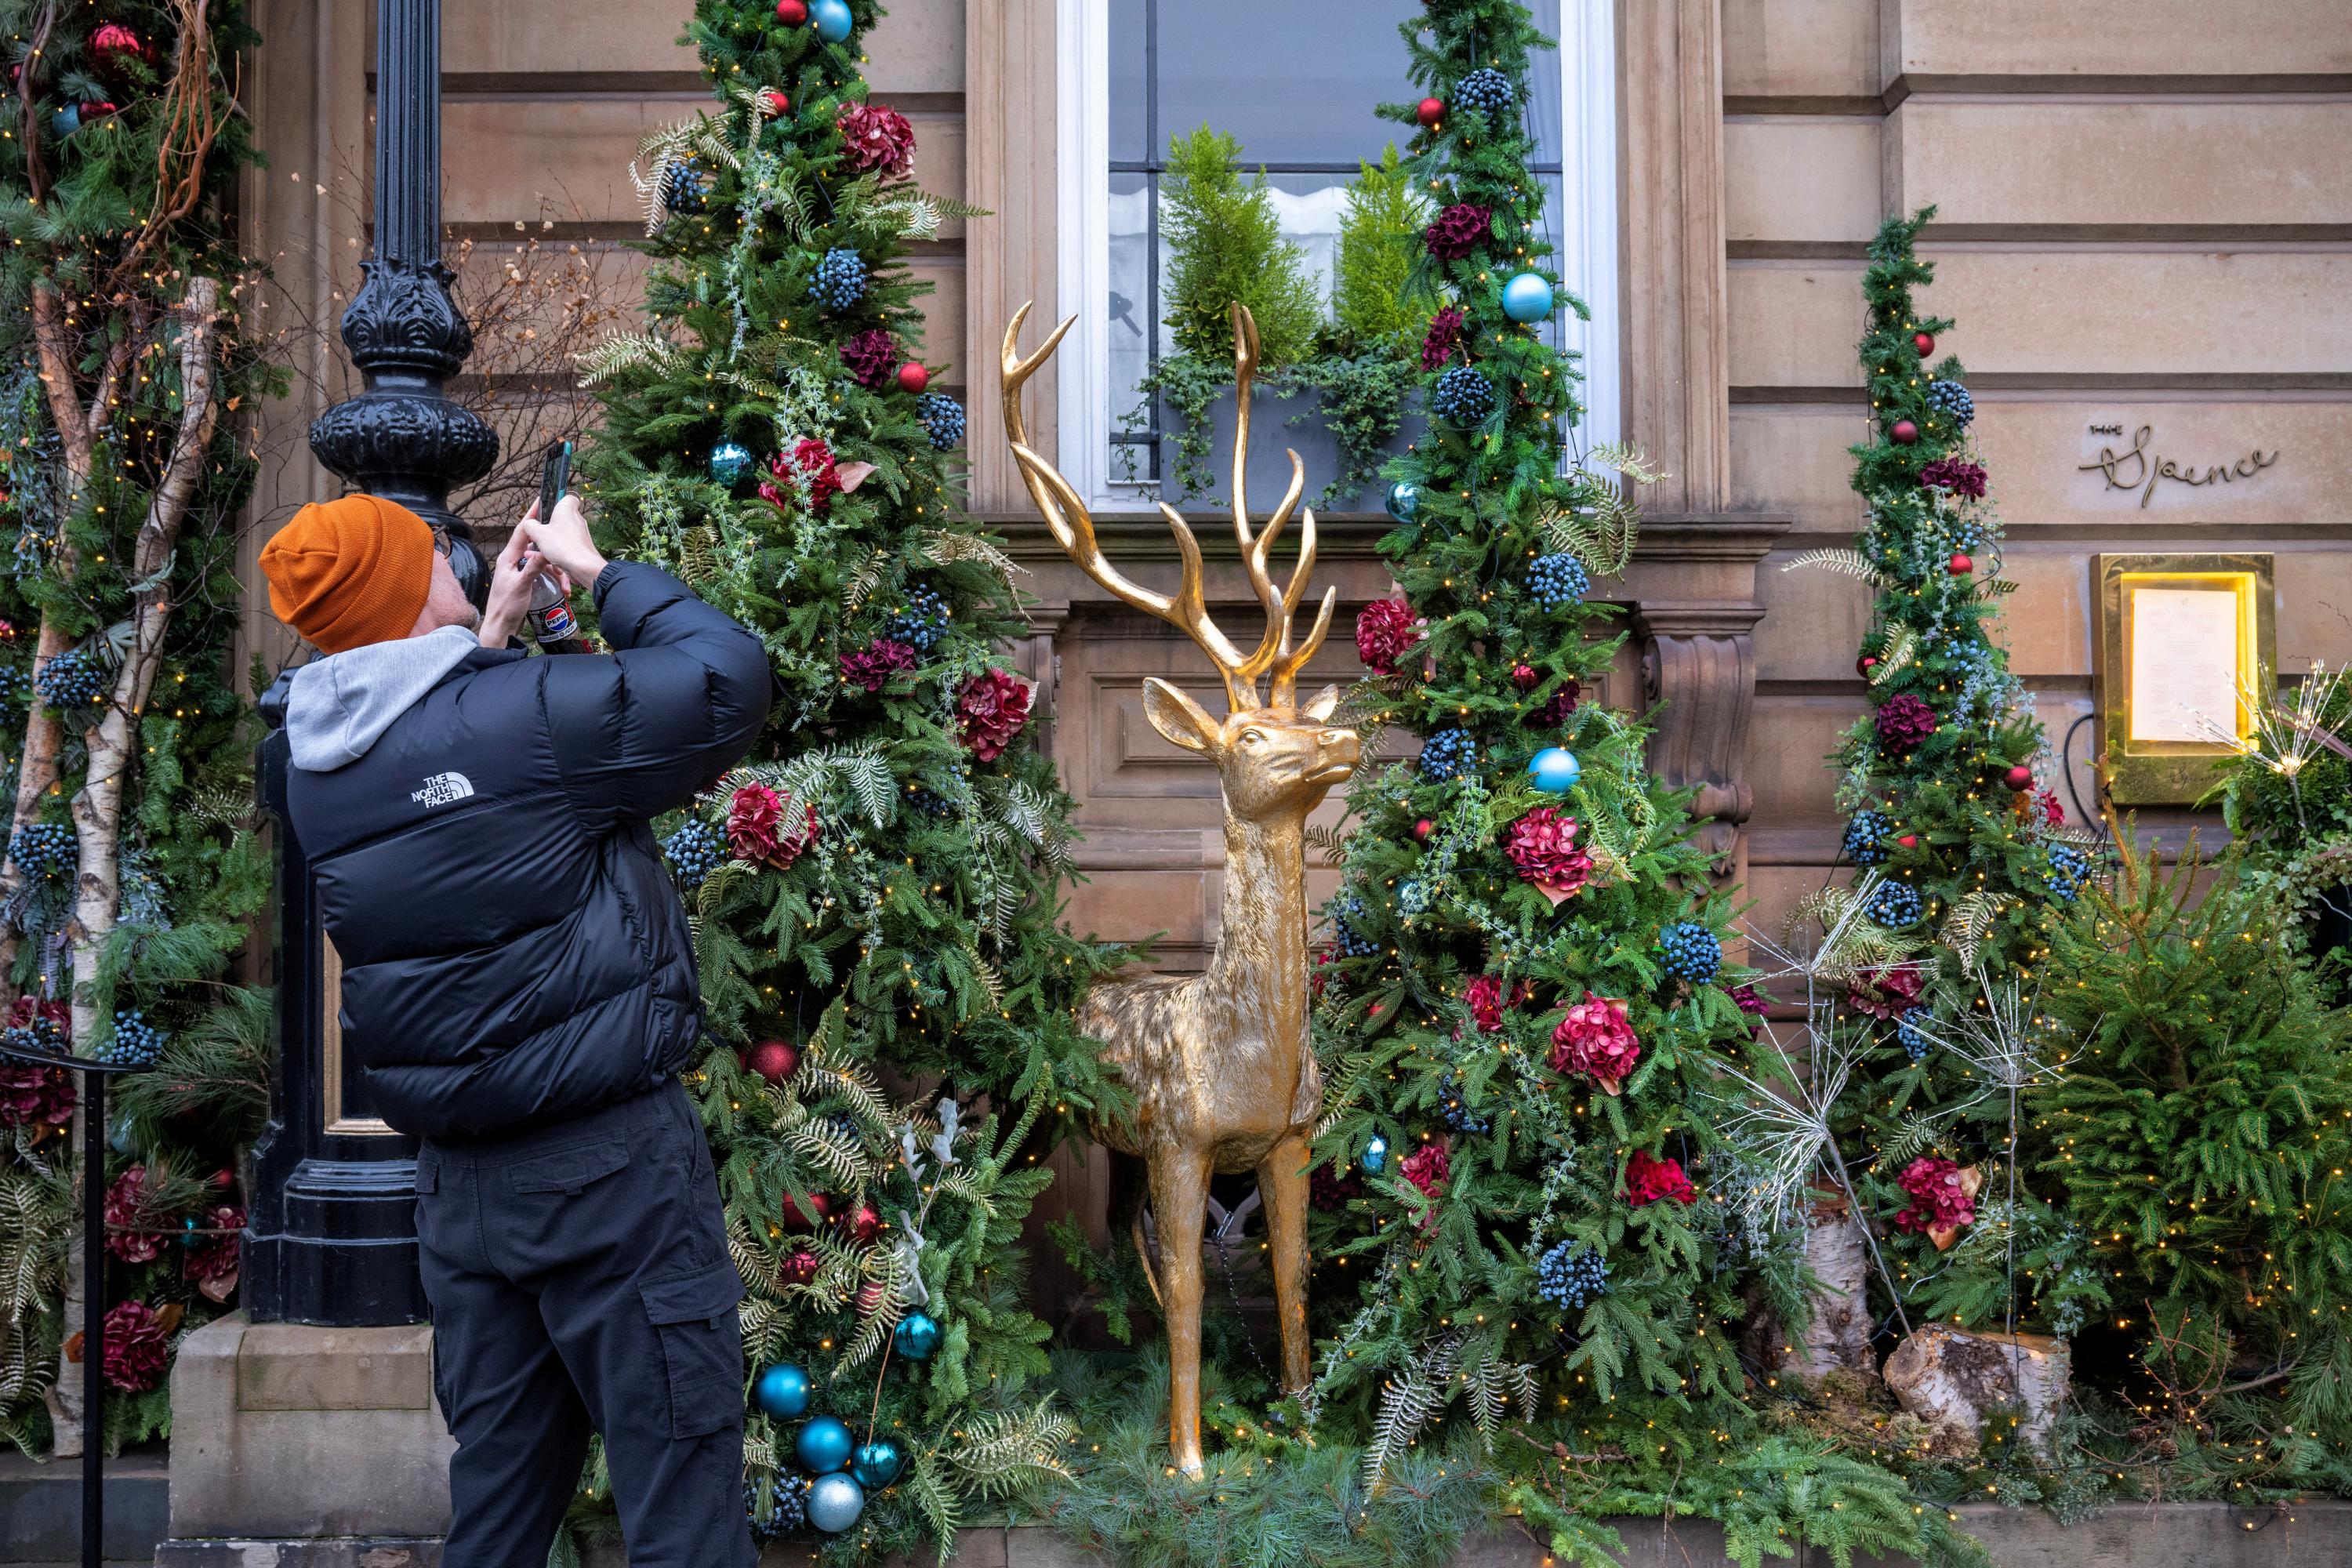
column 514, row 953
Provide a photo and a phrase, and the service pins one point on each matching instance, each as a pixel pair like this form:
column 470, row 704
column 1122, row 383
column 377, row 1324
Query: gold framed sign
column 337, row 1119
column 2181, row 643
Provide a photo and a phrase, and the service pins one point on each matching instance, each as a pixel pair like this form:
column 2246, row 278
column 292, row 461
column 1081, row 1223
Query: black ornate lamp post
column 332, row 1238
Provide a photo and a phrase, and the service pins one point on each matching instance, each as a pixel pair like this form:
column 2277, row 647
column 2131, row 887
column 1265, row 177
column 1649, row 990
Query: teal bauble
column 781, row 1390
column 122, row 1139
column 824, row 1446
column 1376, row 1155
column 917, row 1336
column 1404, row 499
column 67, row 121
column 877, row 1464
column 1527, row 297
column 1554, row 771
column 831, row 19
column 730, row 461
column 834, row 1502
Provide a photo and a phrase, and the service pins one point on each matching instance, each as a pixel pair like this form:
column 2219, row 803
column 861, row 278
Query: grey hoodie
column 339, row 705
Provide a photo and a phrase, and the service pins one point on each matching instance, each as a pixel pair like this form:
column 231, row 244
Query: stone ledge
column 347, row 1551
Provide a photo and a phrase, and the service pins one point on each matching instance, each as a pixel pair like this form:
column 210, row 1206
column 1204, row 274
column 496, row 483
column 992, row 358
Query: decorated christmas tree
column 874, row 894
column 130, row 880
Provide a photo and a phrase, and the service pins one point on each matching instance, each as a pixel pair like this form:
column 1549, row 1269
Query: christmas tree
column 130, row 878
column 875, row 894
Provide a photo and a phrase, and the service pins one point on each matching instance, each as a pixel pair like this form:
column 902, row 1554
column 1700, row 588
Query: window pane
column 1294, row 80
column 1129, row 325
column 1131, row 134
column 1543, row 82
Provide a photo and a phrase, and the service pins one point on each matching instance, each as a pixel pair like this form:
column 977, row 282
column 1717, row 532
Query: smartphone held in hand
column 552, row 623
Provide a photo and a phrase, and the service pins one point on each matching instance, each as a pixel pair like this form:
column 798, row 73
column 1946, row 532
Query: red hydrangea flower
column 763, row 826
column 1940, row 1196
column 2053, row 814
column 214, row 1266
column 1648, row 1179
column 1427, row 1168
column 1957, row 475
column 1886, row 993
column 1754, row 1003
column 137, row 1347
column 1458, row 231
column 872, row 357
column 1443, row 337
column 1595, row 1040
column 1328, row 1189
column 878, row 136
column 1487, row 1000
column 1561, row 706
column 1904, row 721
column 1385, row 632
column 809, row 468
column 990, row 711
column 35, row 1096
column 1542, row 845
column 873, row 666
column 126, row 1238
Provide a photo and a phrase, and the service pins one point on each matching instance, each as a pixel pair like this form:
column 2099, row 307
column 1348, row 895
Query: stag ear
column 1325, row 702
column 1176, row 716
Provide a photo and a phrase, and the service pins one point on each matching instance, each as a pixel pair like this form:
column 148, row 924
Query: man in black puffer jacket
column 519, row 989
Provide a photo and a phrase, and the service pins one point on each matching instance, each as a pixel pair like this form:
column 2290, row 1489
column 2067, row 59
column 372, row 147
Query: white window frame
column 1587, row 262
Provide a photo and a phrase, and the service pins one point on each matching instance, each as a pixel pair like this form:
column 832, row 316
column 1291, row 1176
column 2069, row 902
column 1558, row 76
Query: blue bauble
column 833, row 23
column 877, row 1464
column 917, row 1336
column 122, row 1139
column 1527, row 297
column 834, row 1503
column 1376, row 1154
column 730, row 461
column 1555, row 771
column 783, row 1391
column 66, row 120
column 1404, row 499
column 824, row 1446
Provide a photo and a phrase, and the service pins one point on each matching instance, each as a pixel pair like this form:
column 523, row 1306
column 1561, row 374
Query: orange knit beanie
column 350, row 572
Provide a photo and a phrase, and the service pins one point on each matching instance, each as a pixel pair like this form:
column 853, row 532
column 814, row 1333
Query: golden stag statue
column 1223, row 1077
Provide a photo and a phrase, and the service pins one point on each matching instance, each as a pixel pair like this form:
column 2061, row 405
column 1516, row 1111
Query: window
column 1296, row 82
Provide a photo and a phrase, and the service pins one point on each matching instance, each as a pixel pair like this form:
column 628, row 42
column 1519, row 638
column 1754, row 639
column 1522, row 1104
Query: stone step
column 41, row 1510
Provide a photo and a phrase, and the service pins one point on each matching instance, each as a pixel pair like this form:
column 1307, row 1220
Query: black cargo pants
column 579, row 1278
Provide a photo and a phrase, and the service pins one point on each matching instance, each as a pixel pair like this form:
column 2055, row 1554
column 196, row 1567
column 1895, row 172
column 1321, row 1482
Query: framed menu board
column 2181, row 643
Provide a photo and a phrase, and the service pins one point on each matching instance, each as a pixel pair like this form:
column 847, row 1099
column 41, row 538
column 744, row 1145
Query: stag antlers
column 1074, row 530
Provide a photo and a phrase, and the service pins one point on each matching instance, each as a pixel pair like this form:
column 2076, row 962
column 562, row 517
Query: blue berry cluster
column 42, row 1034
column 1572, row 1275
column 1346, row 940
column 1448, row 753
column 930, row 801
column 2069, row 869
column 839, row 280
column 921, row 620
column 1692, row 952
column 1456, row 1111
column 688, row 186
column 942, row 418
column 45, row 849
column 694, row 851
column 72, row 679
column 790, row 1506
column 1866, row 836
column 1463, row 395
column 14, row 684
column 1484, row 90
column 1914, row 1041
column 1895, row 905
column 1951, row 399
column 136, row 1042
column 1556, row 581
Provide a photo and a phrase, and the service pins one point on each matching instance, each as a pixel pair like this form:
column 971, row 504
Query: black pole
column 93, row 1320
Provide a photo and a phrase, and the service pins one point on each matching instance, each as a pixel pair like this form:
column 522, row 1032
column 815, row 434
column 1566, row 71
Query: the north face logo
column 443, row 788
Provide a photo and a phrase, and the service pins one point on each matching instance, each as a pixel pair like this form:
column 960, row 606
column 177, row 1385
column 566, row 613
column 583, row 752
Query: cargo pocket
column 569, row 1170
column 701, row 1346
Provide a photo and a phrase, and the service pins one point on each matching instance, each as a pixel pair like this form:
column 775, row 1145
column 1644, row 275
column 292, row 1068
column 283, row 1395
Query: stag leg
column 1180, row 1193
column 1282, row 1189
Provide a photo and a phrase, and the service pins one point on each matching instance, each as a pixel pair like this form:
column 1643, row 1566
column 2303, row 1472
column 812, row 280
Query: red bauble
column 912, row 377
column 114, row 42
column 772, row 1059
column 1909, row 841
column 1526, row 676
column 776, row 102
column 2019, row 778
column 1904, row 433
column 866, row 1223
column 224, row 1180
column 871, row 1297
column 1864, row 665
column 1431, row 111
column 1423, row 829
column 1925, row 344
column 792, row 13
column 799, row 1267
column 796, row 1217
column 1959, row 565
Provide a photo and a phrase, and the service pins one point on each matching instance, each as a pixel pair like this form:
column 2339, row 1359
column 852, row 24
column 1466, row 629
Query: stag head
column 1276, row 758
